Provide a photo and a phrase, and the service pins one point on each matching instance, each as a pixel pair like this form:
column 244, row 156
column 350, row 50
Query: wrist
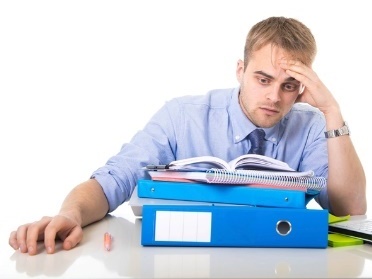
column 342, row 131
column 332, row 112
column 72, row 215
column 334, row 119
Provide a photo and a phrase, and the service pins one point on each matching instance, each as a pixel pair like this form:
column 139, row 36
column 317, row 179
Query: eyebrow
column 271, row 77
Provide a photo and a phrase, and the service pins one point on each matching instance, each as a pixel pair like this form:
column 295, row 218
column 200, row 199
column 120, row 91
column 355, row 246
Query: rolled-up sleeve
column 152, row 145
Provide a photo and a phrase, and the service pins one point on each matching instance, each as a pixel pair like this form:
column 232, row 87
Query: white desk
column 129, row 259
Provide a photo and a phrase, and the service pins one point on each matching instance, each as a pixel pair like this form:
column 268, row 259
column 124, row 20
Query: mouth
column 269, row 110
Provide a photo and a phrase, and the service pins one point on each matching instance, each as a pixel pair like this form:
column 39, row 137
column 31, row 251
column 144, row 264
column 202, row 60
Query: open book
column 250, row 169
column 246, row 161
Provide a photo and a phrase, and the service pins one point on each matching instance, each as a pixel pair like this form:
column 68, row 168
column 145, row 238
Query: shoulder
column 305, row 111
column 217, row 98
column 304, row 116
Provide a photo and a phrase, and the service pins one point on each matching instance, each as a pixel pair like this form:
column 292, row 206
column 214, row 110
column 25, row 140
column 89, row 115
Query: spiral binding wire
column 257, row 177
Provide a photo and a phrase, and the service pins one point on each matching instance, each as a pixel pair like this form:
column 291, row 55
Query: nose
column 273, row 93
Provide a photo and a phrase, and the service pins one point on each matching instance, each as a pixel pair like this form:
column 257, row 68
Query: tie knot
column 256, row 137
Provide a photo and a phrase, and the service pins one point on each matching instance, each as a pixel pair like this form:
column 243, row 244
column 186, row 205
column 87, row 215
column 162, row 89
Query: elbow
column 358, row 205
column 353, row 207
column 348, row 200
column 360, row 208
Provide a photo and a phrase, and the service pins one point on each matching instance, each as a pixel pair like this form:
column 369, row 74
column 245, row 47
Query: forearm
column 86, row 203
column 346, row 177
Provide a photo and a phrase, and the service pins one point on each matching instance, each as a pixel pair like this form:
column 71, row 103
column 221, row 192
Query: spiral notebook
column 305, row 181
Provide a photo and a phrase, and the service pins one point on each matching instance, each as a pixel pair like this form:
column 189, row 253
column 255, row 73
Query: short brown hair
column 286, row 33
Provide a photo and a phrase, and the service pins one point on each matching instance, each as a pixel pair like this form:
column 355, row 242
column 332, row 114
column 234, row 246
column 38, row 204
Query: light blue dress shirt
column 215, row 125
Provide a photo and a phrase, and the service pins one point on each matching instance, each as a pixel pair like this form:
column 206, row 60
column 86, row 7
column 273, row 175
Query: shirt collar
column 242, row 126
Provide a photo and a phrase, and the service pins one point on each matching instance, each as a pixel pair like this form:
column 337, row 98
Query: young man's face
column 267, row 93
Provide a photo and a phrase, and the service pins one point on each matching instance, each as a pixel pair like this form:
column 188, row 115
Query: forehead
column 267, row 60
column 270, row 54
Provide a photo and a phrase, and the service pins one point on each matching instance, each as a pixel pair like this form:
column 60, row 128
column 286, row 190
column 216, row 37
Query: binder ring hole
column 283, row 227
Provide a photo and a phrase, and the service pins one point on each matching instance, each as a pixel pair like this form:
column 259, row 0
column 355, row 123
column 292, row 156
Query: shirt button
column 273, row 139
column 237, row 137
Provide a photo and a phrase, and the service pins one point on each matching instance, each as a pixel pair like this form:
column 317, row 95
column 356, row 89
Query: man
column 279, row 93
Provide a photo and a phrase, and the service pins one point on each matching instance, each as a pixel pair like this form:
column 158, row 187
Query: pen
column 157, row 167
column 107, row 241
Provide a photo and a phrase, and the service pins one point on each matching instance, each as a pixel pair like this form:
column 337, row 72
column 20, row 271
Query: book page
column 259, row 162
column 246, row 161
column 199, row 163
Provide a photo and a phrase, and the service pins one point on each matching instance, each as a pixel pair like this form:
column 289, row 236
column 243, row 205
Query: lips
column 269, row 110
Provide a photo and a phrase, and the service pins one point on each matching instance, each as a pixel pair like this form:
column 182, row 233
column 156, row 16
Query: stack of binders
column 220, row 215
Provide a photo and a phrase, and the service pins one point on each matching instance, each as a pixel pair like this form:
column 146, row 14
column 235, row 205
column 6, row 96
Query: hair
column 286, row 33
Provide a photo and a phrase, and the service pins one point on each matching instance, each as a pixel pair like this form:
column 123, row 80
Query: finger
column 299, row 68
column 73, row 238
column 52, row 231
column 18, row 238
column 35, row 232
column 300, row 77
column 66, row 229
column 13, row 242
column 293, row 62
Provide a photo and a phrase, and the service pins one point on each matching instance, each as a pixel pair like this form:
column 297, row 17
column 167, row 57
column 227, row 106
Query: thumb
column 73, row 238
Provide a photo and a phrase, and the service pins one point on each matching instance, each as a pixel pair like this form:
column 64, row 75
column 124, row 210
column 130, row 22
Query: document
column 246, row 161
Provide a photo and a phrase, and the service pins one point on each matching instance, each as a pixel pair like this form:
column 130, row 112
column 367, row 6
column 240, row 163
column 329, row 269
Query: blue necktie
column 257, row 138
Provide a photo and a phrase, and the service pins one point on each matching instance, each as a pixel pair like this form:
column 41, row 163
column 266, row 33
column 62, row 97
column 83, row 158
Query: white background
column 79, row 78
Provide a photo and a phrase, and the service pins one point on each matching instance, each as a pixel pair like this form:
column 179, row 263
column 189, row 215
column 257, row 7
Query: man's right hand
column 49, row 229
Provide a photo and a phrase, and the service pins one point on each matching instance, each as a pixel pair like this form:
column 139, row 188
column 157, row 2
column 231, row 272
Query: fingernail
column 49, row 250
column 22, row 247
column 30, row 249
column 68, row 245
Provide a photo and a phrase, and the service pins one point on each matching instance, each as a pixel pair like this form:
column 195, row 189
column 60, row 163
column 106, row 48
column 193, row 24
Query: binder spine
column 264, row 178
column 227, row 194
column 233, row 226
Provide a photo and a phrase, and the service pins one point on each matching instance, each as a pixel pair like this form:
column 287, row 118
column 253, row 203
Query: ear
column 240, row 70
column 302, row 89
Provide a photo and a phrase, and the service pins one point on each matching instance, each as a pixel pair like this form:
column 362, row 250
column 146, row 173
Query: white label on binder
column 183, row 226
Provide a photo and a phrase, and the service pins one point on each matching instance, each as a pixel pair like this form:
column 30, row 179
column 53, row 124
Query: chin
column 267, row 123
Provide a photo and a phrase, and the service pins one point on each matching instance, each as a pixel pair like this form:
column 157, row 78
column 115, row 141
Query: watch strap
column 344, row 130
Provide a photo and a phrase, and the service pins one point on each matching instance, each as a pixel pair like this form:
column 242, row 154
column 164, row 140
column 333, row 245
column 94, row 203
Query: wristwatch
column 344, row 130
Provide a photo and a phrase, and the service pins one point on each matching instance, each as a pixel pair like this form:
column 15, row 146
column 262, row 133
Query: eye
column 263, row 80
column 290, row 87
